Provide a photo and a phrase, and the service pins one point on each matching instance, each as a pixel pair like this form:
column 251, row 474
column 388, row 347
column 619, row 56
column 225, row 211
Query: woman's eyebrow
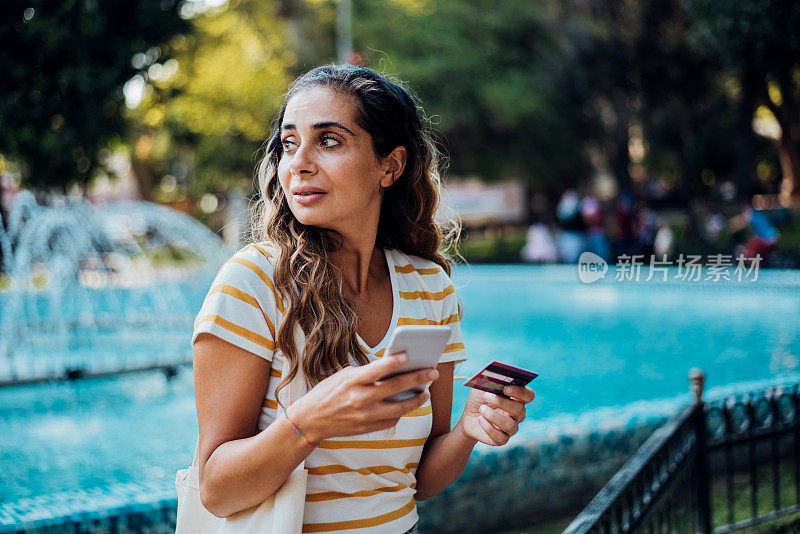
column 321, row 126
column 333, row 124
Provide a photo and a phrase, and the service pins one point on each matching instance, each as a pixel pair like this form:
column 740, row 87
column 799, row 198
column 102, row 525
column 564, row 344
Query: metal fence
column 715, row 467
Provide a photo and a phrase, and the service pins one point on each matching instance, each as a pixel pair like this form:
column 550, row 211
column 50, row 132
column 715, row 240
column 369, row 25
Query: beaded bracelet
column 297, row 429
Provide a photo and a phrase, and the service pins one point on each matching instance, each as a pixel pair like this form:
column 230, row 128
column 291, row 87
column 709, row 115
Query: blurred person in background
column 713, row 227
column 664, row 242
column 595, row 221
column 763, row 240
column 625, row 225
column 570, row 238
column 646, row 226
column 540, row 244
column 540, row 247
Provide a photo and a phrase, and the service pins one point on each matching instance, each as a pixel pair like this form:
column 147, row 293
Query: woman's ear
column 393, row 166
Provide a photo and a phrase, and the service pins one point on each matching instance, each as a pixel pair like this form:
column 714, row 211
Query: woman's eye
column 287, row 145
column 329, row 141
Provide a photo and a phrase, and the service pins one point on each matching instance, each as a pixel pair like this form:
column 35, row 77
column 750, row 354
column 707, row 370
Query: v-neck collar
column 395, row 306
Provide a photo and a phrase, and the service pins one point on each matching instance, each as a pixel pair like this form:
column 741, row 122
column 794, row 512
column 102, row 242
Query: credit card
column 495, row 376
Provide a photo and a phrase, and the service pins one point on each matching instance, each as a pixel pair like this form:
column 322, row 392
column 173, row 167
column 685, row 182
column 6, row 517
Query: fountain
column 100, row 290
column 95, row 290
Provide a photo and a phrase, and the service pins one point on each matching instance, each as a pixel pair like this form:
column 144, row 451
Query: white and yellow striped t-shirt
column 363, row 483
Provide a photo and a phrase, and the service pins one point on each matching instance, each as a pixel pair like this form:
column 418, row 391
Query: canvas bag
column 281, row 513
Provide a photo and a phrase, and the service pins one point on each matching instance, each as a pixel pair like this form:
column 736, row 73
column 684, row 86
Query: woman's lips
column 307, row 198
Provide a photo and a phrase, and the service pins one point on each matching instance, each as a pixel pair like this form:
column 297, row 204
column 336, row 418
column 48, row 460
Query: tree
column 488, row 73
column 213, row 102
column 63, row 70
column 658, row 101
column 759, row 42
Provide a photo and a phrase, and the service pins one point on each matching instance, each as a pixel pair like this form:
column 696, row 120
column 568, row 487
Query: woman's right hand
column 351, row 401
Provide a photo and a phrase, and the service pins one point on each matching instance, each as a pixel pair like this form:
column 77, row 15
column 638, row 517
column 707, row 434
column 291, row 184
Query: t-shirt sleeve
column 454, row 351
column 242, row 305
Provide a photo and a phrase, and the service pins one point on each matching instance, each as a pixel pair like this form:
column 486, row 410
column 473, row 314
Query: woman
column 348, row 250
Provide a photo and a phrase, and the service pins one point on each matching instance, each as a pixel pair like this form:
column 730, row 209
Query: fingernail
column 489, row 396
column 484, row 409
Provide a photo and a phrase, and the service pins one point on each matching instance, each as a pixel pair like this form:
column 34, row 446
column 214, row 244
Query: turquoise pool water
column 614, row 349
column 606, row 353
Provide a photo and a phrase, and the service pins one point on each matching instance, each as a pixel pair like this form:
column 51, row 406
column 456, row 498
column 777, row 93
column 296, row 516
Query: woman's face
column 329, row 171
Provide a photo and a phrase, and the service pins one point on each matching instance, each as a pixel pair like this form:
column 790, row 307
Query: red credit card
column 495, row 376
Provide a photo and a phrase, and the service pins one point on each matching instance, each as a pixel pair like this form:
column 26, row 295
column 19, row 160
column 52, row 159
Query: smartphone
column 423, row 344
column 495, row 376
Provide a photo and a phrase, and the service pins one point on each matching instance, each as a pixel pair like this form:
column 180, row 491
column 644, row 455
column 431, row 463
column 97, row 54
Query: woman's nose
column 303, row 160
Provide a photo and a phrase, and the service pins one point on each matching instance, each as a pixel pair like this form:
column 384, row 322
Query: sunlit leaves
column 63, row 69
column 231, row 79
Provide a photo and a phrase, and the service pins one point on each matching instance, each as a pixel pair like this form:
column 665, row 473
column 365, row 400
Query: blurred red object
column 757, row 245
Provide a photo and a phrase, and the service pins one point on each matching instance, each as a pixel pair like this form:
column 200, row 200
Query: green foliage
column 488, row 74
column 758, row 43
column 757, row 33
column 227, row 83
column 171, row 255
column 500, row 246
column 640, row 80
column 514, row 88
column 61, row 85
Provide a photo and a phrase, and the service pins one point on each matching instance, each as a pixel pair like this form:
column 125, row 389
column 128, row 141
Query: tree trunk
column 787, row 149
column 621, row 158
column 790, row 163
column 144, row 177
column 745, row 164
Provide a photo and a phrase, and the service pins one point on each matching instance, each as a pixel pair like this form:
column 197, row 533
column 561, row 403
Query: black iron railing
column 754, row 457
column 713, row 468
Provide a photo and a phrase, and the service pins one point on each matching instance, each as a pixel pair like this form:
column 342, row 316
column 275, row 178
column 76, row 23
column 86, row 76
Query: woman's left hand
column 493, row 419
